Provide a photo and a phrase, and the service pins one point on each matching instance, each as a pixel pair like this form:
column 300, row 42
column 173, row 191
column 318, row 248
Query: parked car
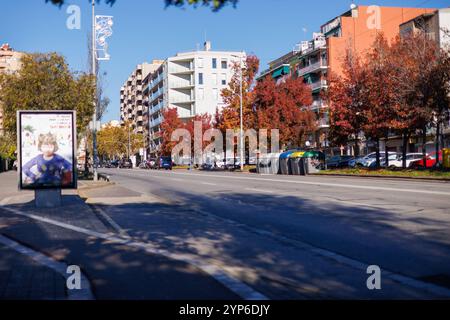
column 338, row 161
column 143, row 165
column 373, row 163
column 112, row 164
column 430, row 161
column 398, row 162
column 353, row 162
column 369, row 159
column 126, row 164
column 152, row 163
column 165, row 163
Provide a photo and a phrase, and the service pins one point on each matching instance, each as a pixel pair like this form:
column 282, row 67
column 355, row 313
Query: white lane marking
column 259, row 190
column 350, row 186
column 113, row 224
column 356, row 264
column 209, row 184
column 85, row 293
column 233, row 284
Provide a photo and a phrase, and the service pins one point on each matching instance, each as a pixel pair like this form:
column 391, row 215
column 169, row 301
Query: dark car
column 126, row 164
column 165, row 163
column 112, row 164
column 339, row 161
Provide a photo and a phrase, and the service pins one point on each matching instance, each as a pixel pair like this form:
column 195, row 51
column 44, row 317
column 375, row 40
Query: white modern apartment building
column 132, row 109
column 191, row 82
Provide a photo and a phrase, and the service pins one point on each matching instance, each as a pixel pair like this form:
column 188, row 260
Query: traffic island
column 434, row 175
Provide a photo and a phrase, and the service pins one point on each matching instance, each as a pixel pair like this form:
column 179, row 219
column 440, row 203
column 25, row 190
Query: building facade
column 314, row 60
column 9, row 63
column 191, row 82
column 132, row 109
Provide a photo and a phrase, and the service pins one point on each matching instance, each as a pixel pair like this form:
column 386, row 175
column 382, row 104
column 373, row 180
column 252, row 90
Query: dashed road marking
column 233, row 284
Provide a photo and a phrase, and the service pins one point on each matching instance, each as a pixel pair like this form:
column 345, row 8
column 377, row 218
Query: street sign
column 46, row 143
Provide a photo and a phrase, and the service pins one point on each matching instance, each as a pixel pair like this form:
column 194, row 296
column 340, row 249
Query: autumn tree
column 230, row 114
column 205, row 121
column 285, row 106
column 346, row 95
column 380, row 90
column 439, row 81
column 228, row 118
column 413, row 60
column 45, row 82
column 170, row 123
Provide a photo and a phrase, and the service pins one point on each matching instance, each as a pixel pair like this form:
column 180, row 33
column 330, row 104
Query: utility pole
column 94, row 120
column 241, row 133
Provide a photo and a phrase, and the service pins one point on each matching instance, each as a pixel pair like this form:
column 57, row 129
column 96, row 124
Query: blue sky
column 146, row 30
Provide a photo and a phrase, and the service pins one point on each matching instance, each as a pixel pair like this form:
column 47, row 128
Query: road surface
column 298, row 237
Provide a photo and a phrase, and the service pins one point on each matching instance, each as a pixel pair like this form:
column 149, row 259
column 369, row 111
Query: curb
column 379, row 176
column 85, row 293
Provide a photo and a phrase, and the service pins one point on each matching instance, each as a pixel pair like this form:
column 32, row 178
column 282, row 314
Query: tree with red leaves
column 413, row 61
column 229, row 117
column 285, row 107
column 170, row 123
column 206, row 123
column 347, row 97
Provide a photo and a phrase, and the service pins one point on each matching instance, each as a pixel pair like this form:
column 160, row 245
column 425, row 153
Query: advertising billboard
column 46, row 146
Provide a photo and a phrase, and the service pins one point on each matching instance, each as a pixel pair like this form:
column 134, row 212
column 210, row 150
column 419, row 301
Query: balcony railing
column 181, row 69
column 311, row 68
column 157, row 94
column 182, row 100
column 157, row 121
column 324, row 122
column 156, row 108
column 182, row 84
column 317, row 104
column 318, row 85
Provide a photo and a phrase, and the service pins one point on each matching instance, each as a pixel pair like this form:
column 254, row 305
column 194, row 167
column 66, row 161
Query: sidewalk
column 117, row 267
column 21, row 278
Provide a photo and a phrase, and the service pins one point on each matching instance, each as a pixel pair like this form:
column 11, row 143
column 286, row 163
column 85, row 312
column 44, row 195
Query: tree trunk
column 356, row 148
column 404, row 147
column 378, row 152
column 386, row 152
column 438, row 133
column 424, row 144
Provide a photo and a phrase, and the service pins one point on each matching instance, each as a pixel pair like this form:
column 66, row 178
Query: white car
column 371, row 157
column 410, row 157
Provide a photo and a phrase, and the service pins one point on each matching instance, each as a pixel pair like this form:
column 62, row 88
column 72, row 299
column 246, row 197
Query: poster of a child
column 47, row 161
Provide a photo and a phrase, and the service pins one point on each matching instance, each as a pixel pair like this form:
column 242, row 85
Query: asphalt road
column 298, row 237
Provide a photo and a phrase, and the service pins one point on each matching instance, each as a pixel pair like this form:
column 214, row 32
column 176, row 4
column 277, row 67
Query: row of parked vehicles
column 164, row 163
column 395, row 160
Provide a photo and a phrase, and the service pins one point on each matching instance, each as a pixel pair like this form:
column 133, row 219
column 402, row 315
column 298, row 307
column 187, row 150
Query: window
column 215, row 79
column 215, row 94
column 201, row 94
column 224, row 64
column 200, row 78
column 214, row 63
column 200, row 62
column 224, row 79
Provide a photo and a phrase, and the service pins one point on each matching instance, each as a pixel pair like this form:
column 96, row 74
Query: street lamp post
column 101, row 29
column 241, row 134
column 241, row 116
column 94, row 119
